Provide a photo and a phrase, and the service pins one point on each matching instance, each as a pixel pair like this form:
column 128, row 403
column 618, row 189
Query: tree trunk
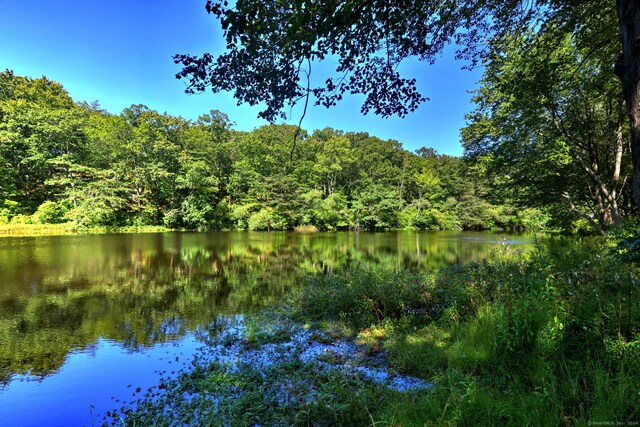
column 615, row 178
column 628, row 70
column 596, row 226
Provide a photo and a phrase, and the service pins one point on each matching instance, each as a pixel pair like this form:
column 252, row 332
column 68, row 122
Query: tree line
column 557, row 118
column 62, row 161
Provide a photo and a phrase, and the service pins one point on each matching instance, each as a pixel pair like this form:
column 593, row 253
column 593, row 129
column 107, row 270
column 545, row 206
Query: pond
column 86, row 319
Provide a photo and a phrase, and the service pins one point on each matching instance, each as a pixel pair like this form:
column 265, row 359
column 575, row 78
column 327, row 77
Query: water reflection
column 59, row 294
column 91, row 382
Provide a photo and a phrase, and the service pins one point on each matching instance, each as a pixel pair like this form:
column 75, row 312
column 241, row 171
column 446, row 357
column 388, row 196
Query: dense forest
column 546, row 146
column 556, row 122
column 62, row 160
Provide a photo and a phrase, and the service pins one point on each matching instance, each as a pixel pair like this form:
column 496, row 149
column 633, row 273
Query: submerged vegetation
column 547, row 338
column 266, row 370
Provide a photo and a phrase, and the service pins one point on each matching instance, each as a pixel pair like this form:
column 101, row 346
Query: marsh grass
column 266, row 370
column 36, row 229
column 70, row 228
column 550, row 338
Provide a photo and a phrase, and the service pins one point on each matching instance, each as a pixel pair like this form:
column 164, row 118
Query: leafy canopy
column 272, row 44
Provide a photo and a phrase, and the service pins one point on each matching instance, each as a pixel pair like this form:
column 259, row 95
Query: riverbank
column 17, row 230
column 120, row 300
column 267, row 370
column 548, row 338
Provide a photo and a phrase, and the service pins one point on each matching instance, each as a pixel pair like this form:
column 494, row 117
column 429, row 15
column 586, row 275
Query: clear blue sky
column 119, row 53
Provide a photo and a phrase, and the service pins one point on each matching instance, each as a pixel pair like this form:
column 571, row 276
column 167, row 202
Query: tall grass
column 549, row 338
column 69, row 228
column 552, row 338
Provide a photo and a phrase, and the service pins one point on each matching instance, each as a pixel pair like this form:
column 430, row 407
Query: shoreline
column 34, row 230
column 65, row 229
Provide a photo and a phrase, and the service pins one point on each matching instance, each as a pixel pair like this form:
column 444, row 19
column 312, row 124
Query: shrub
column 266, row 219
column 50, row 213
column 21, row 219
column 173, row 219
column 240, row 215
column 558, row 331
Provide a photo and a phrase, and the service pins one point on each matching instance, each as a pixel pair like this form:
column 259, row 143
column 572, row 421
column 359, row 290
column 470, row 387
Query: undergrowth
column 546, row 338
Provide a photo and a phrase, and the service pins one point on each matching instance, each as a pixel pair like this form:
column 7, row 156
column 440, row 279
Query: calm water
column 84, row 320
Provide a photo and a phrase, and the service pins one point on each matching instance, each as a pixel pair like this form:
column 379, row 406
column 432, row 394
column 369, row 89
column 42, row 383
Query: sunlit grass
column 549, row 340
column 70, row 228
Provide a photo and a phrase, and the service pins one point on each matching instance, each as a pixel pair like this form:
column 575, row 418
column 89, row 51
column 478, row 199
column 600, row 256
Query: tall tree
column 272, row 44
column 41, row 130
column 628, row 70
column 62, row 161
column 551, row 120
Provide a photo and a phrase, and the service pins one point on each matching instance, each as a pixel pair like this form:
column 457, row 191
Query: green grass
column 16, row 230
column 549, row 338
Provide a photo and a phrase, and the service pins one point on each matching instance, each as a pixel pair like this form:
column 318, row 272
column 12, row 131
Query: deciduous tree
column 273, row 44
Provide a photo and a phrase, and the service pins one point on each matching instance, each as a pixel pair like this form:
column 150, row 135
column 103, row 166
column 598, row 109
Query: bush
column 240, row 215
column 8, row 209
column 266, row 219
column 50, row 213
column 173, row 219
column 4, row 217
column 21, row 219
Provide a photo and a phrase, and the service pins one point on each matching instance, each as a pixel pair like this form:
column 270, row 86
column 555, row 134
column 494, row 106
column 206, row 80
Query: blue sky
column 119, row 53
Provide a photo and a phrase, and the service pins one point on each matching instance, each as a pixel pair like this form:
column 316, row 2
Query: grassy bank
column 548, row 338
column 553, row 339
column 69, row 228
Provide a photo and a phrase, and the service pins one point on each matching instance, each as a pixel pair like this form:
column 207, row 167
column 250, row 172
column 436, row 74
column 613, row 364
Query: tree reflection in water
column 64, row 293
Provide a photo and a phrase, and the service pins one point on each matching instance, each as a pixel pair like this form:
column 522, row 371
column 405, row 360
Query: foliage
column 78, row 163
column 265, row 219
column 626, row 242
column 363, row 297
column 272, row 46
column 50, row 213
column 549, row 127
column 540, row 339
column 282, row 389
column 524, row 340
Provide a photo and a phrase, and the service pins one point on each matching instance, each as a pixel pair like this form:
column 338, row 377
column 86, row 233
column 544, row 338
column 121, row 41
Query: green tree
column 40, row 129
column 375, row 207
column 550, row 119
column 202, row 179
column 271, row 46
column 64, row 161
column 334, row 154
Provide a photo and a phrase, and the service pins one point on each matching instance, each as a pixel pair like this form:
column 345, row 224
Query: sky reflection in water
column 84, row 317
